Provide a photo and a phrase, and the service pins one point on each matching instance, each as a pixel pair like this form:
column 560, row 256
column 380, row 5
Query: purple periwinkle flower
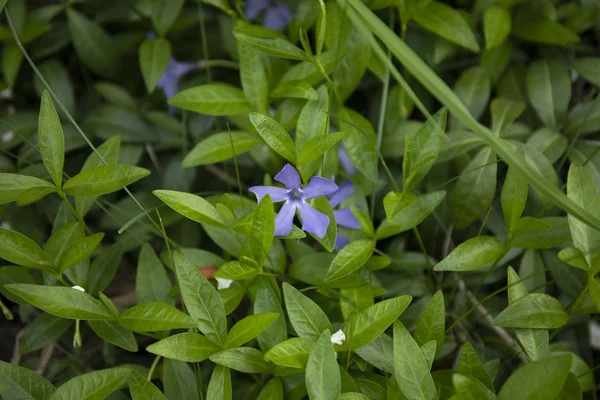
column 295, row 199
column 169, row 81
column 277, row 15
column 344, row 216
column 345, row 161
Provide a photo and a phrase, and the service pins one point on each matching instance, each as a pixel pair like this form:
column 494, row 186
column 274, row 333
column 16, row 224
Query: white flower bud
column 338, row 338
column 223, row 283
column 77, row 287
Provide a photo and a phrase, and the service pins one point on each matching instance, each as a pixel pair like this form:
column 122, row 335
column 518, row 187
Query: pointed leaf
column 201, row 300
column 473, row 254
column 96, row 385
column 191, row 206
column 350, row 258
column 220, row 147
column 248, row 328
column 323, row 380
column 63, row 302
column 212, row 99
column 275, row 136
column 188, row 347
column 19, row 249
column 104, row 179
column 51, row 141
column 153, row 58
column 155, row 316
column 307, row 318
column 535, row 310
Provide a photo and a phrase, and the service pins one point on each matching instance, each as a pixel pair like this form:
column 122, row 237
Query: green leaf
column 179, row 381
column 544, row 31
column 220, row 146
column 95, row 48
column 473, row 254
column 313, row 119
column 424, row 147
column 470, row 365
column 473, row 89
column 248, row 328
column 267, row 41
column 468, row 388
column 79, row 251
column 272, row 390
column 534, row 311
column 201, row 300
column 219, row 387
column 188, row 347
column 232, row 297
column 15, row 186
column 291, row 353
column 365, row 223
column 62, row 238
column 328, row 242
column 475, row 189
column 212, row 99
column 588, row 67
column 109, row 150
column 114, row 333
column 274, row 135
column 496, row 26
column 117, row 95
column 432, row 323
column 164, row 13
column 44, row 330
column 96, row 385
column 410, row 368
column 411, row 215
column 243, row 359
column 350, row 258
column 22, row 383
column 12, row 58
column 104, row 179
column 191, row 206
column 544, row 239
column 534, row 341
column 19, row 249
column 314, row 148
column 51, row 141
column 152, row 282
column 61, row 301
column 541, row 379
column 323, row 380
column 307, row 318
column 514, row 197
column 359, row 142
column 582, row 190
column 549, row 90
column 363, row 327
column 236, row 270
column 263, row 229
column 504, row 112
column 142, row 389
column 255, row 81
column 14, row 274
column 155, row 316
column 154, row 57
column 394, row 202
column 268, row 300
column 446, row 22
column 295, row 89
column 595, row 293
column 573, row 256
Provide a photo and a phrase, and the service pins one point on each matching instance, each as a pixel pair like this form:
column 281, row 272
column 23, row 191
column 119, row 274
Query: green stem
column 77, row 336
column 78, row 217
column 153, row 367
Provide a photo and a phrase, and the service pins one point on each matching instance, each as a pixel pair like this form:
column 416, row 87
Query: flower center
column 295, row 194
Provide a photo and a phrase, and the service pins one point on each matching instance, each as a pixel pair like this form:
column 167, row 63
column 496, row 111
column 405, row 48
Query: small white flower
column 5, row 225
column 77, row 287
column 223, row 283
column 7, row 136
column 338, row 338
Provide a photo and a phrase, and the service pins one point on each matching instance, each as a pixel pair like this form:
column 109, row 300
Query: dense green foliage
column 439, row 159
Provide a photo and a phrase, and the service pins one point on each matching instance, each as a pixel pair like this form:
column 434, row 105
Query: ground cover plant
column 323, row 199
